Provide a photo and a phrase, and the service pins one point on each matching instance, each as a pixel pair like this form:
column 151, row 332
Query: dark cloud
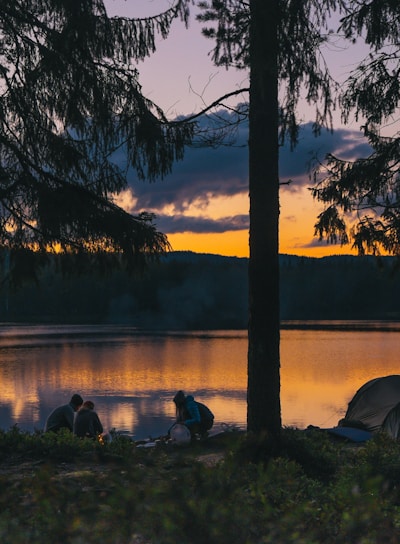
column 180, row 223
column 317, row 243
column 208, row 173
column 202, row 175
column 346, row 144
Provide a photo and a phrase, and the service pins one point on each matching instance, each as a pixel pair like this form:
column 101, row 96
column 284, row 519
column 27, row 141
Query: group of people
column 80, row 417
column 77, row 416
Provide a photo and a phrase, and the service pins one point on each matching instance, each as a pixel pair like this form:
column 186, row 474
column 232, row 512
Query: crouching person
column 193, row 414
column 87, row 423
column 62, row 417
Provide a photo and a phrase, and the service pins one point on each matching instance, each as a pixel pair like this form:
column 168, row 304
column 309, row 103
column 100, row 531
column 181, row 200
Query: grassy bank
column 229, row 489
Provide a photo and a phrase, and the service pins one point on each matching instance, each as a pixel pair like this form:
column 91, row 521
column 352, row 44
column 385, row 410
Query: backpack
column 205, row 412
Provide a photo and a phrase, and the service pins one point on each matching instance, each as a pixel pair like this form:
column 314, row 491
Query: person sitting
column 196, row 416
column 62, row 417
column 87, row 423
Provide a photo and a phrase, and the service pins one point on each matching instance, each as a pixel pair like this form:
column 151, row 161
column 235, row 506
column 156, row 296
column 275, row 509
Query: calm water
column 131, row 377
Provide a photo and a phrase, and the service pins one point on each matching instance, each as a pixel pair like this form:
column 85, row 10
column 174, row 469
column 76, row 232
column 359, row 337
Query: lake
column 132, row 375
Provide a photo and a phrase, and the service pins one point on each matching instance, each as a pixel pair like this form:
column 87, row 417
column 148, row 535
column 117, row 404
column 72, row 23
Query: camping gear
column 350, row 433
column 376, row 406
column 180, row 434
column 205, row 412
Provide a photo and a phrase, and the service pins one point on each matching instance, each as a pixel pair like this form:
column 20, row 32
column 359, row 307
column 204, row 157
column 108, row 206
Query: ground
column 209, row 452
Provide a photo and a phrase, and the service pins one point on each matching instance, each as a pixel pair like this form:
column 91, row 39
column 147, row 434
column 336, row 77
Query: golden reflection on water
column 321, row 371
column 132, row 379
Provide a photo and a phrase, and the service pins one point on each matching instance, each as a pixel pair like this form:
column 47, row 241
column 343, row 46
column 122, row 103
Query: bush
column 57, row 488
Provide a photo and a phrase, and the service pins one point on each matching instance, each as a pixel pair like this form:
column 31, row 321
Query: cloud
column 316, row 242
column 181, row 201
column 179, row 224
column 204, row 174
column 344, row 143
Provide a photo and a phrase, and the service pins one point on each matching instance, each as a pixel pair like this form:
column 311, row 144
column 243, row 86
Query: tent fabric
column 376, row 405
column 392, row 422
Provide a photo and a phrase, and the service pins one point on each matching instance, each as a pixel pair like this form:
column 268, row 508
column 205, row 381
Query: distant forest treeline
column 196, row 291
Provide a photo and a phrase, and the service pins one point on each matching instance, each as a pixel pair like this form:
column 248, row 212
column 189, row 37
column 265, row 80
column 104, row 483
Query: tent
column 376, row 406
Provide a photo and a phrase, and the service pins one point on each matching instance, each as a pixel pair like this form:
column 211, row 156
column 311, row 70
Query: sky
column 203, row 205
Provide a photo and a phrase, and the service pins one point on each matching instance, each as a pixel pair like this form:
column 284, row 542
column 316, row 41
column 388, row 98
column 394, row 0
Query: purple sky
column 206, row 194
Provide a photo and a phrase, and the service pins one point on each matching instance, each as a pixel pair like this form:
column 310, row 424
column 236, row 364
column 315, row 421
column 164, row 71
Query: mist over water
column 132, row 376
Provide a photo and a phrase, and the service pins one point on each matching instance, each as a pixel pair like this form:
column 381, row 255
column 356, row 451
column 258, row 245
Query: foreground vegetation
column 228, row 489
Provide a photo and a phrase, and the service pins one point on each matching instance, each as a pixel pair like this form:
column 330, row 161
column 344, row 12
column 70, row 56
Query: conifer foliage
column 70, row 100
column 362, row 196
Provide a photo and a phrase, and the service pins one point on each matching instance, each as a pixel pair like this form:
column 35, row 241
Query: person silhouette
column 196, row 416
column 62, row 417
column 87, row 423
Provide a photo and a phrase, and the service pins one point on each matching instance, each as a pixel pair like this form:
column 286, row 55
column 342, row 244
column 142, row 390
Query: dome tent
column 376, row 406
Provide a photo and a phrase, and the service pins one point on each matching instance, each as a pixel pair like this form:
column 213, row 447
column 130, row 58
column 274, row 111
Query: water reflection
column 132, row 376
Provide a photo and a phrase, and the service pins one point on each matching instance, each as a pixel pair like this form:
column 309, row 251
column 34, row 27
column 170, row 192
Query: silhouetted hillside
column 340, row 287
column 200, row 291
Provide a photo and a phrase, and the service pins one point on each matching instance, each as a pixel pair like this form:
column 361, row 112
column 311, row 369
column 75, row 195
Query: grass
column 228, row 489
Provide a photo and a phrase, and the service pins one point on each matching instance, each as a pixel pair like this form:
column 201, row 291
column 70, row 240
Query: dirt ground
column 210, row 452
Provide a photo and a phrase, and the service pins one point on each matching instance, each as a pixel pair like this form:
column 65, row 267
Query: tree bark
column 263, row 402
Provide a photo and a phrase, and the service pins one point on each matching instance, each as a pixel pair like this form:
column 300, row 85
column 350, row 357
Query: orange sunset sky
column 203, row 204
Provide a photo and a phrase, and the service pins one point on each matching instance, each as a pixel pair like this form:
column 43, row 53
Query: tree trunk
column 263, row 401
